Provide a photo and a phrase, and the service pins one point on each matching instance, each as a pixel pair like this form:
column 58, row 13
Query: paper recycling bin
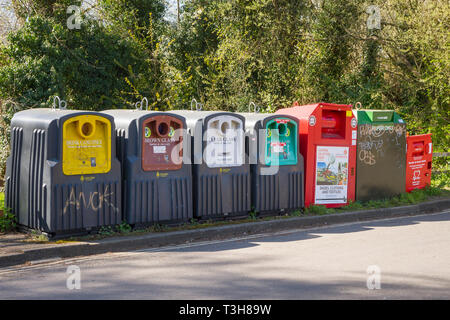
column 419, row 159
column 328, row 145
column 276, row 164
column 154, row 150
column 221, row 178
column 381, row 154
column 62, row 176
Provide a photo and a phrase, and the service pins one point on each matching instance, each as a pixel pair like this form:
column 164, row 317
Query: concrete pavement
column 411, row 253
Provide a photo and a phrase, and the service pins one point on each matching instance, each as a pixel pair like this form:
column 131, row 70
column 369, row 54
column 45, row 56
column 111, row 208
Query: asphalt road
column 411, row 254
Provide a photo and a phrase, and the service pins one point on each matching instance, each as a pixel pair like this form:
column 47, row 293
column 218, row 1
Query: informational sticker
column 354, row 134
column 331, row 175
column 159, row 149
column 312, row 121
column 353, row 142
column 278, row 147
column 349, row 113
column 353, row 122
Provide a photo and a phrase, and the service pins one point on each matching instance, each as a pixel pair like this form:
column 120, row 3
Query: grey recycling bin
column 277, row 168
column 62, row 176
column 221, row 177
column 154, row 149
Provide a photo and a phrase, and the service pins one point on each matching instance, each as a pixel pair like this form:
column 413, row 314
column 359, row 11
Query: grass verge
column 440, row 188
column 7, row 218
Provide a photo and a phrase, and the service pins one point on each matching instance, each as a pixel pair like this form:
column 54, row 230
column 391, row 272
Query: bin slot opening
column 418, row 149
column 333, row 124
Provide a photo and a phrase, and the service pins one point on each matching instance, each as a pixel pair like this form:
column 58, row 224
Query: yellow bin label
column 86, row 145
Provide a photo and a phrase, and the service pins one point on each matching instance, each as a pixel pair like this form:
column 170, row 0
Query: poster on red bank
column 331, row 175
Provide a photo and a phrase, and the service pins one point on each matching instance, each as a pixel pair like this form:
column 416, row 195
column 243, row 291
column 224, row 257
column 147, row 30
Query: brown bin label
column 162, row 143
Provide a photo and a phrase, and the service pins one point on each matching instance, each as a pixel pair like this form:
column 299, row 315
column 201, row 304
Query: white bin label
column 224, row 142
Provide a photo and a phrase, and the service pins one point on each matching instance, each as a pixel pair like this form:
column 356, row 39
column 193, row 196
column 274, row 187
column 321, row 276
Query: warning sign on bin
column 331, row 175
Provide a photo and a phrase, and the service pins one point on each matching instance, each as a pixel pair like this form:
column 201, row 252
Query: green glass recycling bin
column 276, row 165
column 381, row 154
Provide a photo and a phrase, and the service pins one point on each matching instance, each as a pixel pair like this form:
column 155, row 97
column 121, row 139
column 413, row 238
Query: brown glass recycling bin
column 154, row 151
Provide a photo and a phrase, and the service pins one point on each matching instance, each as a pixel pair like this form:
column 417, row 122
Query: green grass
column 2, row 200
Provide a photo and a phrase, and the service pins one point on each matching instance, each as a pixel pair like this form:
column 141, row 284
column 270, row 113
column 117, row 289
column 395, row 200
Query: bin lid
column 377, row 116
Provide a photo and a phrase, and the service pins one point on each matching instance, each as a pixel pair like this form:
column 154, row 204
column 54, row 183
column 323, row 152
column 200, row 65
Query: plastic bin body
column 154, row 150
column 221, row 178
column 381, row 154
column 419, row 160
column 328, row 145
column 62, row 176
column 276, row 165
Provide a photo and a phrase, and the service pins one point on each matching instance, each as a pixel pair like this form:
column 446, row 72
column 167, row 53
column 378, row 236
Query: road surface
column 407, row 258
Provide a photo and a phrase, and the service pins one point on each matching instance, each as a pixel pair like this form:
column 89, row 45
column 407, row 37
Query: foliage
column 7, row 218
column 228, row 53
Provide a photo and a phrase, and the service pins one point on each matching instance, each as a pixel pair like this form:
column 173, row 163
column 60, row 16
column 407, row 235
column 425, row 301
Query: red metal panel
column 328, row 128
column 419, row 158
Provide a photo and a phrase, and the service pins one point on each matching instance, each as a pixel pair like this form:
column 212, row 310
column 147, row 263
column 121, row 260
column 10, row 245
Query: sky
column 172, row 7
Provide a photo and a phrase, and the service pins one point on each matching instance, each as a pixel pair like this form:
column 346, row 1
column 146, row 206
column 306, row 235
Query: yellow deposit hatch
column 86, row 145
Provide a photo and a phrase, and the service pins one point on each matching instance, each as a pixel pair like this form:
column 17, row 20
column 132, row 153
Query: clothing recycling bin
column 328, row 145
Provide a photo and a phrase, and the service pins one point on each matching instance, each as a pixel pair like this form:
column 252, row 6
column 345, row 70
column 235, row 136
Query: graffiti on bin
column 94, row 201
column 367, row 157
column 378, row 130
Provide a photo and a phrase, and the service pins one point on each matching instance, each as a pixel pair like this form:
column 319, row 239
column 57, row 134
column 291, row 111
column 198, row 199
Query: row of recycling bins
column 72, row 171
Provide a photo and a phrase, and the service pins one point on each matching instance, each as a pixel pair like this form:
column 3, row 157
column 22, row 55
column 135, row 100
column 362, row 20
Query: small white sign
column 353, row 142
column 159, row 149
column 354, row 134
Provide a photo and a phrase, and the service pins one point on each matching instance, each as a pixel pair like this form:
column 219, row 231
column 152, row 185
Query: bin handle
column 256, row 108
column 140, row 104
column 198, row 106
column 358, row 104
column 62, row 105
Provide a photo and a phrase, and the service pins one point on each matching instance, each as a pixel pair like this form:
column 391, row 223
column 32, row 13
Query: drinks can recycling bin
column 62, row 176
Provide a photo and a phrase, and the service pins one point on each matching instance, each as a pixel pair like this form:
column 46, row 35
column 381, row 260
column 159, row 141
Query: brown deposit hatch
column 162, row 147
